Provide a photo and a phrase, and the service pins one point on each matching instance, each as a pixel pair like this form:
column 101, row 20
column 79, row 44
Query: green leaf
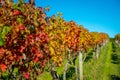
column 1, row 42
column 6, row 74
column 19, row 20
column 5, row 30
column 15, row 6
column 15, row 70
column 26, row 64
column 21, row 61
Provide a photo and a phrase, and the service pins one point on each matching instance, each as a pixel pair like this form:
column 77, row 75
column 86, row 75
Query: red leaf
column 3, row 67
column 16, row 12
column 26, row 75
column 38, row 53
column 36, row 39
column 2, row 51
column 35, row 60
column 11, row 57
column 22, row 27
column 22, row 48
column 19, row 57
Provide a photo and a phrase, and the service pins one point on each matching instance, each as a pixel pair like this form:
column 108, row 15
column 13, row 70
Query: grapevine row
column 30, row 40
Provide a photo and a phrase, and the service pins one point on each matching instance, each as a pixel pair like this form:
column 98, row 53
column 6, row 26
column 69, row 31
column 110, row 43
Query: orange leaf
column 2, row 51
column 3, row 67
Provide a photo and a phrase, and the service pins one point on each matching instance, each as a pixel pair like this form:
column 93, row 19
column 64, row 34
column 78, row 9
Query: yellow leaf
column 52, row 52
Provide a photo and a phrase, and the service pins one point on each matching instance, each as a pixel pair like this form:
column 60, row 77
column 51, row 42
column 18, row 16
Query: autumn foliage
column 29, row 39
column 26, row 42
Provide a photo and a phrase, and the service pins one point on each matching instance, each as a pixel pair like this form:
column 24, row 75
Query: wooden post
column 54, row 74
column 80, row 66
column 65, row 70
column 76, row 72
column 97, row 52
column 76, row 68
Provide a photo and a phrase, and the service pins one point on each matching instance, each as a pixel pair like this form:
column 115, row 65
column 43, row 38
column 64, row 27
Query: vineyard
column 34, row 46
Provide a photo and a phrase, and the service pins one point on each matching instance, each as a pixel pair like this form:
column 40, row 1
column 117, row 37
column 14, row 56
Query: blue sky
column 95, row 15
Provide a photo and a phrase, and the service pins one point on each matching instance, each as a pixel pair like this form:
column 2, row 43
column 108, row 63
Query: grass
column 96, row 69
column 106, row 67
column 115, row 62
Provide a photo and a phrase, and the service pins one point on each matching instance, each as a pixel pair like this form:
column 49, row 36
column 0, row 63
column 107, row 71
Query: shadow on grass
column 115, row 58
column 89, row 56
column 114, row 50
column 114, row 77
column 70, row 73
